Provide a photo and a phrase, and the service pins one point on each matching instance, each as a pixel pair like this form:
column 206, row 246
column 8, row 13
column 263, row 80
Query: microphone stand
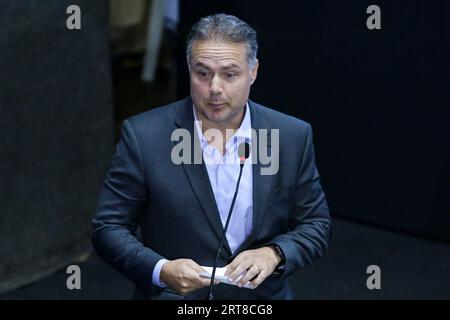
column 211, row 286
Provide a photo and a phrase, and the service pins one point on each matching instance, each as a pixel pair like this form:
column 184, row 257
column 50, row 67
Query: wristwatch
column 280, row 267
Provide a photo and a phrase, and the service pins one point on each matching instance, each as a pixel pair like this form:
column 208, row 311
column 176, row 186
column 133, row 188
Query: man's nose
column 215, row 86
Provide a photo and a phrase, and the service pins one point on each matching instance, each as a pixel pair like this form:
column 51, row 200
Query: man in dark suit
column 280, row 221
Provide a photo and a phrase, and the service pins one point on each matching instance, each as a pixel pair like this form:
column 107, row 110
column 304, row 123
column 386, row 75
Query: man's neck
column 227, row 129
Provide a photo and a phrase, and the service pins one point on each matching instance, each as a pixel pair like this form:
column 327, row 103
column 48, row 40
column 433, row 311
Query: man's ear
column 254, row 72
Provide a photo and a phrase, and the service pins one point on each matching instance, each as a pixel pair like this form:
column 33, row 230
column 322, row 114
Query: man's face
column 220, row 81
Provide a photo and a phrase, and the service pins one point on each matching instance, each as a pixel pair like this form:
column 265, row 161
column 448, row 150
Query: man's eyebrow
column 199, row 64
column 231, row 66
column 227, row 67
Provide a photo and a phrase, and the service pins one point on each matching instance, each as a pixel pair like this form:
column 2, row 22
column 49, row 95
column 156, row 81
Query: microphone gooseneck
column 244, row 153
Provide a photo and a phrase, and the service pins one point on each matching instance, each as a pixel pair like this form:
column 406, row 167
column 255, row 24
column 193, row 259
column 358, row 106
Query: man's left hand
column 256, row 265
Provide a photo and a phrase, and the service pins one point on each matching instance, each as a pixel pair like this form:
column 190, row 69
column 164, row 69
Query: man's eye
column 202, row 74
column 230, row 75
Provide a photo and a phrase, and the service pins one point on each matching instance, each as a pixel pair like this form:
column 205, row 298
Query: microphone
column 243, row 153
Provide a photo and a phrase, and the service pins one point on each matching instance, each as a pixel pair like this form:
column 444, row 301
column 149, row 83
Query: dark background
column 378, row 102
column 56, row 126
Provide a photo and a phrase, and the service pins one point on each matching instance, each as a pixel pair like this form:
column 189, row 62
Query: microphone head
column 244, row 151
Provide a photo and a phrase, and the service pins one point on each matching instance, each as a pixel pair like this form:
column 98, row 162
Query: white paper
column 220, row 276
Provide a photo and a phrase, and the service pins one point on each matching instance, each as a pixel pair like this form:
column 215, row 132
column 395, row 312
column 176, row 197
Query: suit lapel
column 198, row 175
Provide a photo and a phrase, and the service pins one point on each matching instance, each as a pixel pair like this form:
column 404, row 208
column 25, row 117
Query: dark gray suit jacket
column 175, row 209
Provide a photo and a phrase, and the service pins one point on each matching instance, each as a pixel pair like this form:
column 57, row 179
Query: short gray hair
column 227, row 28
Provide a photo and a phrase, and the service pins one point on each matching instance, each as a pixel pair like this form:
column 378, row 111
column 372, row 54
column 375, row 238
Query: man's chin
column 216, row 118
column 219, row 114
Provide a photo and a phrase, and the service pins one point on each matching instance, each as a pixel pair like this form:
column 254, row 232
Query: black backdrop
column 378, row 100
column 56, row 126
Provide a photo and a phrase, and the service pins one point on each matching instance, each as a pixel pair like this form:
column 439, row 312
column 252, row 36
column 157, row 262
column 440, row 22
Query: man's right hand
column 182, row 275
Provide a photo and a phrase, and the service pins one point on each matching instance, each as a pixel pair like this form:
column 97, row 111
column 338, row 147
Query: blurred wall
column 57, row 134
column 378, row 101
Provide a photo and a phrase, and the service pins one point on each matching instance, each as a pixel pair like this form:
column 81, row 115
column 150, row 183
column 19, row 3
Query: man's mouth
column 216, row 105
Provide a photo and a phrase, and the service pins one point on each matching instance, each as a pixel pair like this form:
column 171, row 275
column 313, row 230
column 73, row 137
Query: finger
column 196, row 267
column 228, row 269
column 232, row 266
column 236, row 261
column 259, row 279
column 241, row 268
column 206, row 282
column 202, row 281
column 192, row 275
column 252, row 272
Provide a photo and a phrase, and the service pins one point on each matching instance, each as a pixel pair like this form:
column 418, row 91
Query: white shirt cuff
column 156, row 272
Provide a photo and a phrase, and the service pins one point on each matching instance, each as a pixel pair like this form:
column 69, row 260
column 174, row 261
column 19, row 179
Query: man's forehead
column 219, row 44
column 223, row 53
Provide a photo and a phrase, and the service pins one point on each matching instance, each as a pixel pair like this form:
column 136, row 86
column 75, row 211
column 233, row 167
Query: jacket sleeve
column 122, row 198
column 310, row 226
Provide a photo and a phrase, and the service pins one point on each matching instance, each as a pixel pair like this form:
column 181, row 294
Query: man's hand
column 256, row 264
column 182, row 275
